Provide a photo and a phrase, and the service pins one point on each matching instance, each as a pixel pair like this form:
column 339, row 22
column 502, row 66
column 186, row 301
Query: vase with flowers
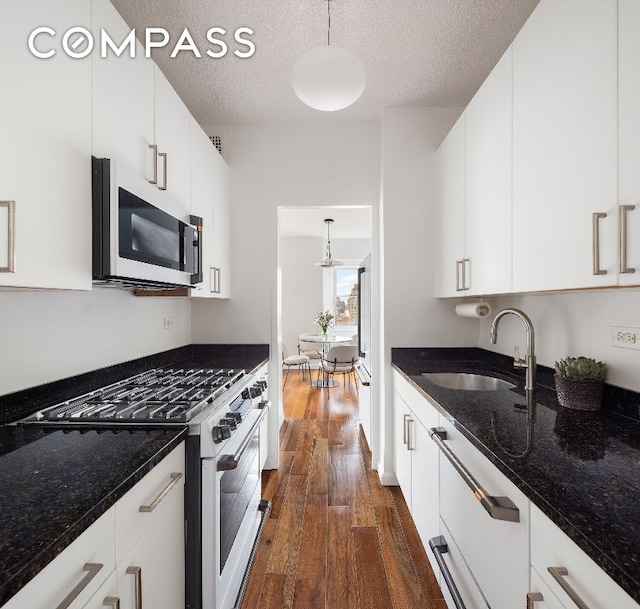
column 324, row 320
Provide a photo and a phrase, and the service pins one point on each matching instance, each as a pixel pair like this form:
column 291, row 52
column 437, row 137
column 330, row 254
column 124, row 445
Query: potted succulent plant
column 579, row 382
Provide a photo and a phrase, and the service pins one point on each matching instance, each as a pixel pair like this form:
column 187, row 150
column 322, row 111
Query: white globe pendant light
column 329, row 78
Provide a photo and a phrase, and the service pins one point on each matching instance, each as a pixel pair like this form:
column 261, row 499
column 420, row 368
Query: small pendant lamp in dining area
column 328, row 260
column 329, row 78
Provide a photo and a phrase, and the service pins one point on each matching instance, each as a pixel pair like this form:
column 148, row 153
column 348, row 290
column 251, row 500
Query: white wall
column 301, row 286
column 412, row 316
column 572, row 324
column 272, row 167
column 45, row 336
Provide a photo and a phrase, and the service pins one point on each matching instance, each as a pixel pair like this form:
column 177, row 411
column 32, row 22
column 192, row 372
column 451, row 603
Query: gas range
column 158, row 396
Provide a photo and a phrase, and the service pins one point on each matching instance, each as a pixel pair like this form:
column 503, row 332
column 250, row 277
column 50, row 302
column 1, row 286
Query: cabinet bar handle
column 597, row 216
column 465, row 261
column 164, row 170
column 92, row 569
column 459, row 288
column 405, row 417
column 439, row 547
column 215, row 280
column 11, row 237
column 154, row 147
column 175, row 477
column 111, row 601
column 559, row 573
column 500, row 508
column 533, row 597
column 137, row 573
column 622, row 238
column 409, row 447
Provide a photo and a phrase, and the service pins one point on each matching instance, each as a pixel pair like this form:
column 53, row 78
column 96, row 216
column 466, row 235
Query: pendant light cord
column 329, row 22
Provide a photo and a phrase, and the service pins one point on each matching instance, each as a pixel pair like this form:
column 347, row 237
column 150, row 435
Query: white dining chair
column 341, row 359
column 301, row 361
column 313, row 350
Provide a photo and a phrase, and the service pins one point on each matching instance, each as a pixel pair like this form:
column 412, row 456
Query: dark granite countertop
column 55, row 483
column 582, row 469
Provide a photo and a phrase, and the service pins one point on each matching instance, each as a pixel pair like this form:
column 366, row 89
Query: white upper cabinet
column 45, row 168
column 137, row 117
column 172, row 139
column 629, row 103
column 450, row 223
column 474, row 193
column 202, row 187
column 488, row 184
column 221, row 257
column 210, row 201
column 122, row 97
column 565, row 146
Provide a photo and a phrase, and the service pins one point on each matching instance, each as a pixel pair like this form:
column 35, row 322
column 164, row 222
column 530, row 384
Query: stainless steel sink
column 467, row 381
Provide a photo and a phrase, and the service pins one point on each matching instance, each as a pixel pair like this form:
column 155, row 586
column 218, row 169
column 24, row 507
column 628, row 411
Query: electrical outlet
column 624, row 337
column 169, row 322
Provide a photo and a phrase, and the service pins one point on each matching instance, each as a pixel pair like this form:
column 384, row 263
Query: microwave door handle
column 196, row 221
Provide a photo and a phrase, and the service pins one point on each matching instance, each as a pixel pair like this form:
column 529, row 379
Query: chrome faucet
column 530, row 362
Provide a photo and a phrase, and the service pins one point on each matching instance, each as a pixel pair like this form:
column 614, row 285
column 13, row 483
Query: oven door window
column 148, row 234
column 236, row 490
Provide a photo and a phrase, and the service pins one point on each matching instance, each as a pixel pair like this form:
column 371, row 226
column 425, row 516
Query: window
column 346, row 296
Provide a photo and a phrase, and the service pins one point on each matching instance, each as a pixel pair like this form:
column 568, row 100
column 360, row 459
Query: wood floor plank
column 362, row 514
column 319, row 467
column 281, row 482
column 342, row 581
column 311, row 573
column 350, row 436
column 380, row 495
column 259, row 568
column 304, row 449
column 336, row 437
column 272, row 592
column 284, row 553
column 338, row 477
column 373, row 588
column 401, row 575
column 290, row 441
column 427, row 578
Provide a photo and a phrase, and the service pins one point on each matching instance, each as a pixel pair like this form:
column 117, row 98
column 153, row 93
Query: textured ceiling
column 416, row 52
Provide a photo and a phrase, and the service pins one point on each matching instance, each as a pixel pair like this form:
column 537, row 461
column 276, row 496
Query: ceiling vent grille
column 216, row 140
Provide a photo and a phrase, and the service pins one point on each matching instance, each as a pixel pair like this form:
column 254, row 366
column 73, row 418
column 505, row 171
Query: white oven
column 231, row 515
column 225, row 459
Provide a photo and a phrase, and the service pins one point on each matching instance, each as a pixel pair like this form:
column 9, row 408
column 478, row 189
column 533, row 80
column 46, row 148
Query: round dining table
column 326, row 341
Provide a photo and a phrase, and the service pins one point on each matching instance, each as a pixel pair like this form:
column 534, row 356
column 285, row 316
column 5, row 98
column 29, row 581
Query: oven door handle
column 227, row 462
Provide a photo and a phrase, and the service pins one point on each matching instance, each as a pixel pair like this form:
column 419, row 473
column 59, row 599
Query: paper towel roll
column 473, row 309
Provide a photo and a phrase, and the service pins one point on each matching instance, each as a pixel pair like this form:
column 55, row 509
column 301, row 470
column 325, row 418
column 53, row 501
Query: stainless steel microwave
column 141, row 237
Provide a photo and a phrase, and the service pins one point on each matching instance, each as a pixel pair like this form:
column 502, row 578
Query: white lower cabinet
column 150, row 538
column 106, row 596
column 541, row 596
column 496, row 550
column 416, row 464
column 135, row 548
column 76, row 573
column 454, row 568
column 575, row 573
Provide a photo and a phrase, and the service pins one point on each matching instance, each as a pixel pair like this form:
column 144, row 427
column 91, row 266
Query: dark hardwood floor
column 336, row 538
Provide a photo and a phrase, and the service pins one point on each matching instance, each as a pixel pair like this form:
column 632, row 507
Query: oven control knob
column 236, row 416
column 230, row 422
column 220, row 433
